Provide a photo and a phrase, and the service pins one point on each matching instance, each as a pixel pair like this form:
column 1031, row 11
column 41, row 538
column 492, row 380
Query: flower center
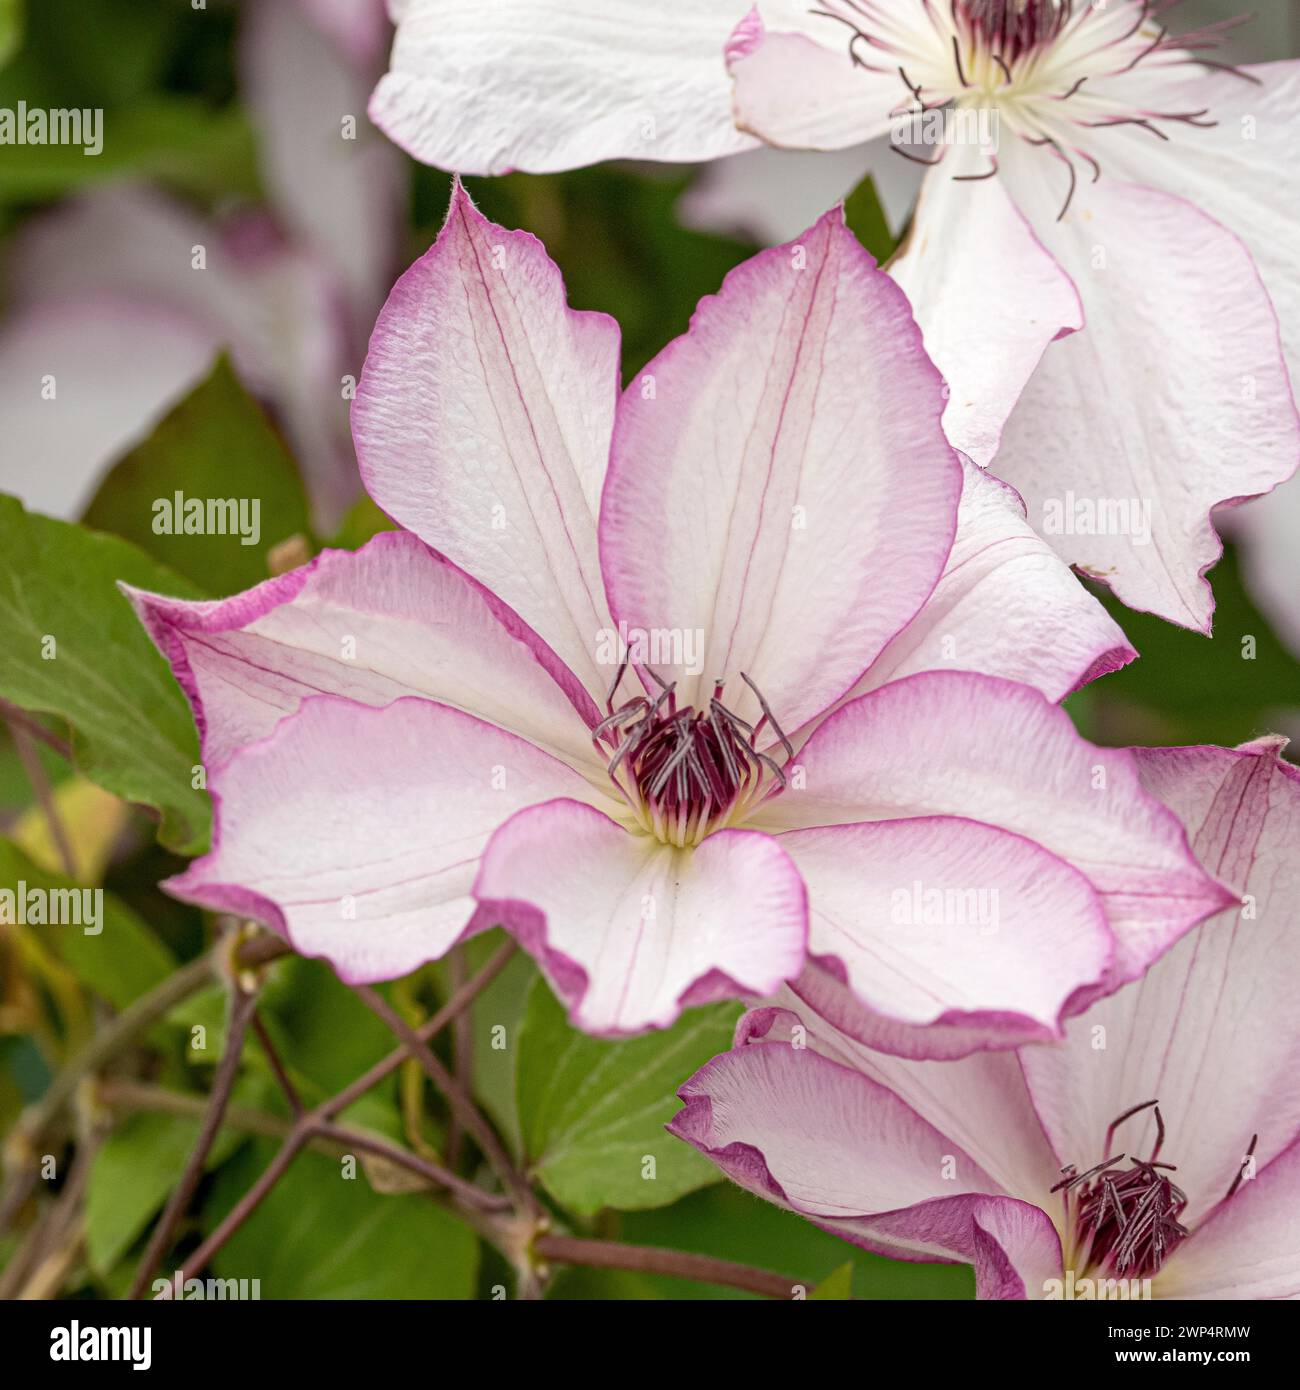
column 1042, row 66
column 1125, row 1220
column 1012, row 28
column 686, row 772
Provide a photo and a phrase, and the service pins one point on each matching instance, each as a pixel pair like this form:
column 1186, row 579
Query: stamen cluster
column 685, row 772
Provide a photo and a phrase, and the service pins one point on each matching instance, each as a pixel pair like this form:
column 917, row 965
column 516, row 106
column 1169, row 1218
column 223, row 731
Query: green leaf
column 11, row 28
column 119, row 962
column 74, row 648
column 866, row 218
column 216, row 444
column 837, row 1287
column 174, row 140
column 496, row 1016
column 132, row 1175
column 593, row 1112
column 320, row 1234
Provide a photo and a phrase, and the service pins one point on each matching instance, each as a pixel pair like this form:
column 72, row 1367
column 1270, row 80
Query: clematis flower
column 106, row 294
column 1160, row 1141
column 647, row 676
column 1125, row 184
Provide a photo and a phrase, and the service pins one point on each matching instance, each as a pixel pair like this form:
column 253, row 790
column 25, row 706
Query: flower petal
column 630, row 931
column 487, row 86
column 482, row 423
column 1248, row 1247
column 393, row 619
column 1265, row 530
column 273, row 306
column 780, row 489
column 1212, row 1031
column 769, row 196
column 794, row 91
column 977, row 1098
column 821, row 1140
column 116, row 368
column 957, row 743
column 987, row 294
column 1007, row 605
column 305, row 69
column 1237, row 167
column 946, row 922
column 356, row 832
column 1176, row 394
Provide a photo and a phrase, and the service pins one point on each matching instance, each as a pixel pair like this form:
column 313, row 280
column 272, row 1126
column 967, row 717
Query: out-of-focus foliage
column 593, row 1112
column 217, row 443
column 74, row 648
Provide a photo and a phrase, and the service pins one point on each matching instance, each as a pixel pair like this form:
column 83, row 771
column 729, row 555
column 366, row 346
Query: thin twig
column 333, row 1139
column 278, row 1068
column 680, row 1264
column 241, row 1009
column 34, row 769
column 426, row 1168
column 14, row 715
column 248, row 1203
column 462, row 1051
column 310, row 1121
column 471, row 1118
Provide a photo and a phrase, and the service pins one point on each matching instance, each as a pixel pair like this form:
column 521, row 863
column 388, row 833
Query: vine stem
column 464, row 1109
column 242, row 1006
column 333, row 1139
column 13, row 715
column 25, row 747
column 648, row 1259
column 309, row 1122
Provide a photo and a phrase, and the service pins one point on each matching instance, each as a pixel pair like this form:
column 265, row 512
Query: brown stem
column 426, row 1168
column 646, row 1259
column 277, row 1065
column 241, row 1009
column 248, row 1203
column 462, row 1045
column 461, row 999
column 462, row 1106
column 34, row 770
column 329, row 1138
column 13, row 715
column 311, row 1121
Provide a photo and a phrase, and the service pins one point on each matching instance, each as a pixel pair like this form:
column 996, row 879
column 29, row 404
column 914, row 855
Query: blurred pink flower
column 1108, row 177
column 646, row 674
column 124, row 295
column 1160, row 1140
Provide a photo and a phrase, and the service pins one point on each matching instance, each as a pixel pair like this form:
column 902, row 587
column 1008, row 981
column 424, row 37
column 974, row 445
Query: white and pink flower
column 444, row 731
column 1159, row 1141
column 1130, row 198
